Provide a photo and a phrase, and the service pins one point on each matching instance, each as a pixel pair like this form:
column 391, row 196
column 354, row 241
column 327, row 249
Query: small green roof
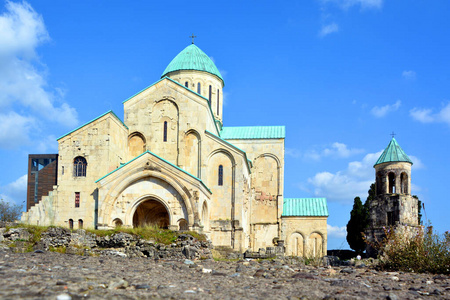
column 305, row 207
column 253, row 132
column 192, row 58
column 393, row 153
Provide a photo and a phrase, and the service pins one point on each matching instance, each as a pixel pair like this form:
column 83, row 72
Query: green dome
column 192, row 58
column 393, row 153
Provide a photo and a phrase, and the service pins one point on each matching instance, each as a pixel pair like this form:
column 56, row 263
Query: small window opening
column 199, row 88
column 165, row 132
column 186, row 84
column 218, row 101
column 62, row 170
column 70, row 223
column 220, row 175
column 80, row 224
column 77, row 199
column 210, row 94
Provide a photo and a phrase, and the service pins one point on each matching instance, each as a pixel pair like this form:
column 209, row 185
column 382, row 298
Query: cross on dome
column 193, row 37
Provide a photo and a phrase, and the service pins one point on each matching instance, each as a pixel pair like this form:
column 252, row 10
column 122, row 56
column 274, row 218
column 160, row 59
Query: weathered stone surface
column 50, row 275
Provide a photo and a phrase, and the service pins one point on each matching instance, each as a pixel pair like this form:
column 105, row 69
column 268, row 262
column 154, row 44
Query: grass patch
column 60, row 249
column 421, row 252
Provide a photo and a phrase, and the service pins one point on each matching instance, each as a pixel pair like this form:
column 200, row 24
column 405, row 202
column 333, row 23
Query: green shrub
column 421, row 252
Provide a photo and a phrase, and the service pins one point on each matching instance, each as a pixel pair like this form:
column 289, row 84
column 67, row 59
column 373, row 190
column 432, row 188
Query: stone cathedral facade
column 172, row 162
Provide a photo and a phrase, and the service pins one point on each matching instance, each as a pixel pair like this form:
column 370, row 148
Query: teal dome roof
column 192, row 58
column 393, row 153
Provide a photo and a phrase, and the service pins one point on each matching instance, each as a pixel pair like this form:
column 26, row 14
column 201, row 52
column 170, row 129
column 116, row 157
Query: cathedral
column 171, row 162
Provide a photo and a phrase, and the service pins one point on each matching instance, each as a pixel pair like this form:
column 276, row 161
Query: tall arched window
column 218, row 101
column 220, row 181
column 186, row 84
column 391, row 178
column 404, row 183
column 70, row 223
column 199, row 88
column 210, row 94
column 79, row 167
column 80, row 224
column 165, row 132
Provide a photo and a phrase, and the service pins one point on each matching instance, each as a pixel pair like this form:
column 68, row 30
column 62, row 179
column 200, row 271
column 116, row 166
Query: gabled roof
column 108, row 112
column 393, row 153
column 249, row 163
column 159, row 157
column 192, row 58
column 305, row 207
column 177, row 83
column 253, row 132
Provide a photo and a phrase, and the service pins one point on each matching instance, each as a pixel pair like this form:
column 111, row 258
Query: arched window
column 404, row 183
column 79, row 167
column 220, row 175
column 218, row 101
column 210, row 94
column 70, row 223
column 80, row 224
column 186, row 84
column 199, row 88
column 165, row 132
column 391, row 178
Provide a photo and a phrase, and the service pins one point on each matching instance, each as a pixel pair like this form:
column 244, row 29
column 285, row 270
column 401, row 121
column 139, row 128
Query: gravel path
column 49, row 275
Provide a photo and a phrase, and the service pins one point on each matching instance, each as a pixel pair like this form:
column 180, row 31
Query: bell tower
column 393, row 204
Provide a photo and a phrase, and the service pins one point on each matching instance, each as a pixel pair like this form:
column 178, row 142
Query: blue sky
column 341, row 75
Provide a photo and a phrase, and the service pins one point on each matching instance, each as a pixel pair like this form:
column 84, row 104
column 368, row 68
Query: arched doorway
column 151, row 213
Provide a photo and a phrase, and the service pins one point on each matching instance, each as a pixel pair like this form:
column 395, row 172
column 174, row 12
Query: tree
column 356, row 226
column 9, row 212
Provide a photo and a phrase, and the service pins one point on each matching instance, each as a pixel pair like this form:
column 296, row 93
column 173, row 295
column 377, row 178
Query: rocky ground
column 49, row 275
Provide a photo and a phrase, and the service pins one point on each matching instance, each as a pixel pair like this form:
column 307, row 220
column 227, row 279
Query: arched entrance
column 151, row 213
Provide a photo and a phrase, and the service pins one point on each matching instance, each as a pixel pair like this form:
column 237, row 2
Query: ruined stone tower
column 393, row 204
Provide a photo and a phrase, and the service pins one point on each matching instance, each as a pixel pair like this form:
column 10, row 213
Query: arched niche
column 222, row 195
column 192, row 153
column 315, row 245
column 183, row 225
column 165, row 118
column 295, row 244
column 136, row 144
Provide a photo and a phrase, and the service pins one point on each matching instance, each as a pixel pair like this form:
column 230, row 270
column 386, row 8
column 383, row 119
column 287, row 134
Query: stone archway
column 151, row 213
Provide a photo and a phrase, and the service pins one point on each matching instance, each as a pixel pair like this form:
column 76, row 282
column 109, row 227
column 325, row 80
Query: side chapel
column 172, row 163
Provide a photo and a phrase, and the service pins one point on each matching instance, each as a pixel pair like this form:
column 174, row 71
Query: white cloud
column 24, row 89
column 16, row 191
column 336, row 231
column 426, row 115
column 364, row 4
column 410, row 75
column 417, row 163
column 340, row 150
column 14, row 130
column 335, row 150
column 328, row 29
column 344, row 186
column 382, row 111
